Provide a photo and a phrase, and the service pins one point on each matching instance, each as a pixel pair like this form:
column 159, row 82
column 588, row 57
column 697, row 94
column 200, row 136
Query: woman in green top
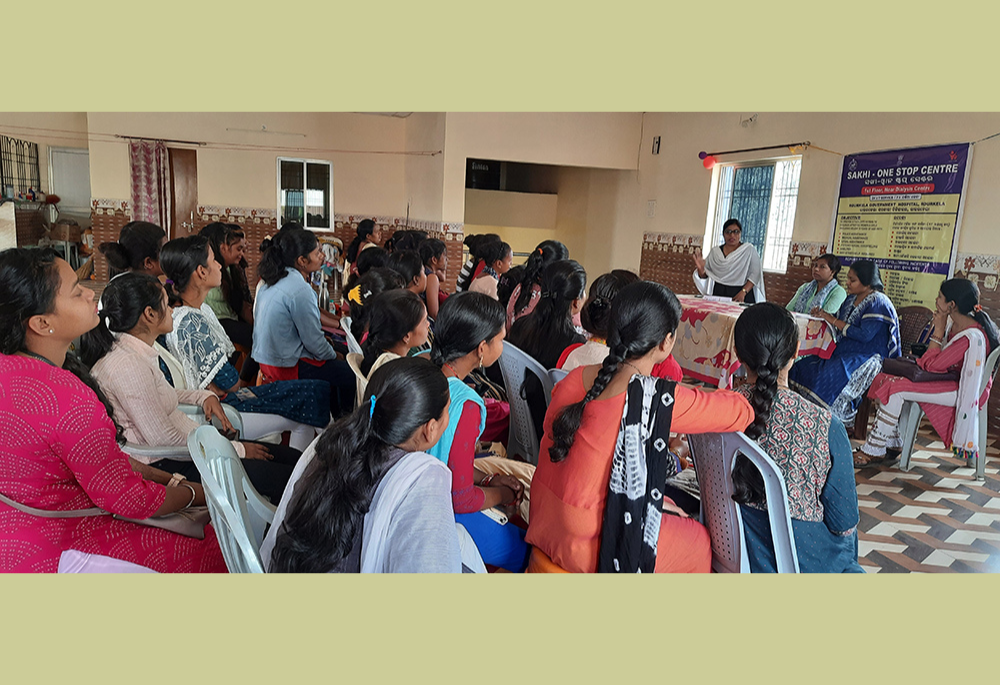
column 823, row 291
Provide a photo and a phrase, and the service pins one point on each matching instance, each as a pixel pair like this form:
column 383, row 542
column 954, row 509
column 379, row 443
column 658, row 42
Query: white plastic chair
column 352, row 344
column 514, row 363
column 180, row 452
column 911, row 414
column 239, row 514
column 556, row 375
column 714, row 455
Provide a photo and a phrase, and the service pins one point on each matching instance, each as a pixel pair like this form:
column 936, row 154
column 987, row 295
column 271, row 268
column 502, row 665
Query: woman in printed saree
column 962, row 336
column 866, row 331
column 823, row 291
column 733, row 270
column 808, row 445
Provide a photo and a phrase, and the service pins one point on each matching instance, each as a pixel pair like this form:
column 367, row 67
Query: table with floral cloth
column 704, row 344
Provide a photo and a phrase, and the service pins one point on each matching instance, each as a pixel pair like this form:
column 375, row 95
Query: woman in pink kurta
column 948, row 350
column 59, row 449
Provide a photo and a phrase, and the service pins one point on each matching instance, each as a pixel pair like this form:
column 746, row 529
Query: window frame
column 713, row 232
column 304, row 162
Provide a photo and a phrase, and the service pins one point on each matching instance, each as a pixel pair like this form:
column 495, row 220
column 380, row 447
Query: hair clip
column 355, row 294
column 168, row 282
column 978, row 308
column 371, row 410
column 540, row 251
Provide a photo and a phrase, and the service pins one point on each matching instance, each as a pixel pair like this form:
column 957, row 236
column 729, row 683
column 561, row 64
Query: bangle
column 935, row 340
column 486, row 481
column 193, row 496
column 175, row 479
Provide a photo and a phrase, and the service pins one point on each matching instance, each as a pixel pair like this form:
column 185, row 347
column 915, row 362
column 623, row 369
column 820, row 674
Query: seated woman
column 866, row 331
column 823, row 291
column 372, row 500
column 407, row 263
column 61, row 451
column 548, row 330
column 398, row 323
column 134, row 313
column 368, row 236
column 581, row 520
column 497, row 258
column 734, row 270
column 525, row 295
column 231, row 301
column 434, row 255
column 367, row 260
column 809, row 446
column 594, row 317
column 476, row 245
column 288, row 340
column 203, row 348
column 962, row 337
column 137, row 249
column 370, row 286
column 470, row 332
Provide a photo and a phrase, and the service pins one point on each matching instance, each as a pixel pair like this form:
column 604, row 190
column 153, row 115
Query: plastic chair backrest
column 514, row 363
column 911, row 323
column 352, row 344
column 556, row 375
column 714, row 455
column 239, row 514
column 989, row 372
column 354, row 361
column 181, row 452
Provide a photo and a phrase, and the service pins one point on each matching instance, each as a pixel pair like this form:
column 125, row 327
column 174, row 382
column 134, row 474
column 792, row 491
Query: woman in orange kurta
column 569, row 495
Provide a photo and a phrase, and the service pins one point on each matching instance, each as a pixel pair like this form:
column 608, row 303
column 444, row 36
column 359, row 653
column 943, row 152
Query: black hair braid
column 568, row 422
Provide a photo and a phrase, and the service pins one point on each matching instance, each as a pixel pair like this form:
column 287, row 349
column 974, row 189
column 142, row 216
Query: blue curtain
column 752, row 202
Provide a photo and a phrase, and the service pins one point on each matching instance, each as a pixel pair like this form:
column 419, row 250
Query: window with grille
column 762, row 196
column 305, row 192
column 19, row 165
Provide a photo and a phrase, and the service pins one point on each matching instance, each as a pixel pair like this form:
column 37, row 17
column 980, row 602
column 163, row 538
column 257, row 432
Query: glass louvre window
column 762, row 196
column 305, row 192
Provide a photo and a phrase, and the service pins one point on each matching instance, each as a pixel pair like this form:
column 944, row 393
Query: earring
column 481, row 369
column 51, row 331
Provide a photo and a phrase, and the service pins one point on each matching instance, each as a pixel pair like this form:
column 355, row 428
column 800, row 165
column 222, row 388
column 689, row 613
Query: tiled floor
column 936, row 518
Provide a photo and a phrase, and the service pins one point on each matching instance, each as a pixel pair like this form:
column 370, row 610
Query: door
column 184, row 192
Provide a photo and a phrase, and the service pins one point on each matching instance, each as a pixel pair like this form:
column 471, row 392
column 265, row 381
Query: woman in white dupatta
column 734, row 270
column 372, row 500
column 962, row 338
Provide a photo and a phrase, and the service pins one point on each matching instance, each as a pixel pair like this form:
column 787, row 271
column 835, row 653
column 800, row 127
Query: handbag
column 906, row 367
column 189, row 522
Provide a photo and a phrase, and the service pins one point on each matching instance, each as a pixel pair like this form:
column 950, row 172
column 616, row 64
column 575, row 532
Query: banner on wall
column 903, row 209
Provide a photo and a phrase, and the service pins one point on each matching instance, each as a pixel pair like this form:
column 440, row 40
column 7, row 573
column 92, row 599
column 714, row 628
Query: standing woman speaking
column 734, row 270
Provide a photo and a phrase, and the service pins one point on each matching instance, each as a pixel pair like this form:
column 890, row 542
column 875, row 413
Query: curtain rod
column 162, row 140
column 804, row 143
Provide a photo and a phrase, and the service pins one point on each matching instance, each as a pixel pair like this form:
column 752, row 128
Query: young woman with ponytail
column 375, row 282
column 368, row 235
column 137, row 249
column 201, row 345
column 398, row 323
column 61, row 451
column 497, row 259
column 470, row 332
column 434, row 255
column 809, row 446
column 134, row 313
column 525, row 295
column 477, row 244
column 580, row 522
column 288, row 340
column 369, row 498
column 962, row 337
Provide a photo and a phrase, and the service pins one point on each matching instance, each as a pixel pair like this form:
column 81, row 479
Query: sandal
column 862, row 459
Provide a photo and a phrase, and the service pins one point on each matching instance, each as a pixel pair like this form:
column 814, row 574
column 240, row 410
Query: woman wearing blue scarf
column 823, row 291
column 867, row 332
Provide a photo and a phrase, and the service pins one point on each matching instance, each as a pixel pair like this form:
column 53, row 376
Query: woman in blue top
column 288, row 340
column 470, row 335
column 201, row 345
column 810, row 448
column 866, row 331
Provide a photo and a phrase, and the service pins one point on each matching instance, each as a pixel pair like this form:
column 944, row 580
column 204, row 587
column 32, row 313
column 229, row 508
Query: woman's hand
column 740, row 296
column 255, row 451
column 673, row 508
column 512, row 483
column 940, row 323
column 678, row 445
column 818, row 312
column 213, row 410
column 699, row 262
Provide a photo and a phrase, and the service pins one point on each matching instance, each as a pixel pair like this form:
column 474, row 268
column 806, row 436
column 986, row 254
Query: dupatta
column 965, row 436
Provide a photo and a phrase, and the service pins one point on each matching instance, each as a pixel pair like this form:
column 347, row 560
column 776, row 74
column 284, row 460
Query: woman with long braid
column 809, row 446
column 607, row 424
